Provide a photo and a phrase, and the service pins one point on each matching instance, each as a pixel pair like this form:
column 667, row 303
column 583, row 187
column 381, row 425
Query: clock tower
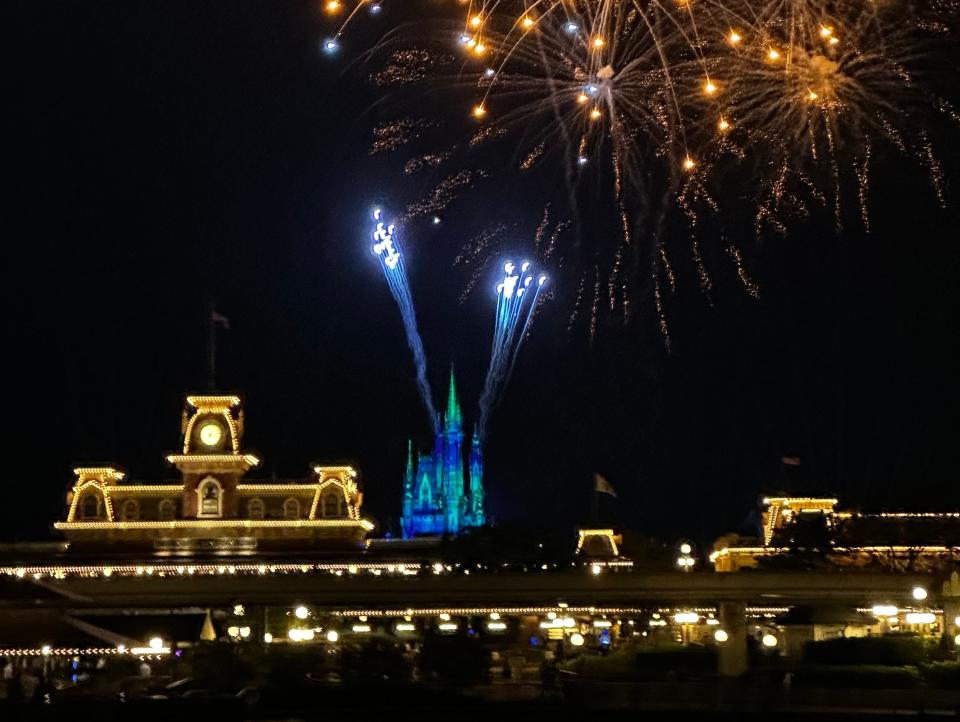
column 211, row 463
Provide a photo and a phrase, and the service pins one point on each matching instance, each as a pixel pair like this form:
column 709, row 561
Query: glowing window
column 89, row 506
column 332, row 504
column 291, row 509
column 130, row 510
column 256, row 509
column 210, row 498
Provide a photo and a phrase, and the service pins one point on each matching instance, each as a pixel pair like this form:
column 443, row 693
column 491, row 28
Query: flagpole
column 212, row 348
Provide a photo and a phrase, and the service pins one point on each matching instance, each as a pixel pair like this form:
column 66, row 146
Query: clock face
column 210, row 434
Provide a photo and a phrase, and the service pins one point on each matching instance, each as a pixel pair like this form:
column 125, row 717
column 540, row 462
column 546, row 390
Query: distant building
column 213, row 507
column 812, row 530
column 443, row 491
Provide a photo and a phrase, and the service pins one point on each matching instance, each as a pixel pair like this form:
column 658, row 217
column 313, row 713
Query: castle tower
column 453, row 490
column 211, row 461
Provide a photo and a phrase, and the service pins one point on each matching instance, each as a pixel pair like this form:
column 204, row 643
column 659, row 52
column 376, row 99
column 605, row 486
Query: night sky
column 164, row 153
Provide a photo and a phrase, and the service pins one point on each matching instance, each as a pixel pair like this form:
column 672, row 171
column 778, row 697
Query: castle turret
column 408, row 482
column 477, row 516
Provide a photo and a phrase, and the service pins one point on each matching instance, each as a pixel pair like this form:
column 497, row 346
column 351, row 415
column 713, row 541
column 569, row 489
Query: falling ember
column 689, row 163
column 599, row 42
column 333, row 6
column 595, row 114
column 734, row 37
column 527, row 22
column 582, row 98
column 825, row 31
column 811, row 96
column 723, row 125
column 709, row 88
column 773, row 55
column 479, row 110
column 476, row 21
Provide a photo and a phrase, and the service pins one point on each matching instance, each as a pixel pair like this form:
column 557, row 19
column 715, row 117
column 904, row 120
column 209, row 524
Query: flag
column 602, row 486
column 219, row 318
column 790, row 460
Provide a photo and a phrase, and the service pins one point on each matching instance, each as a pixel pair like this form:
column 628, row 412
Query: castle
column 441, row 493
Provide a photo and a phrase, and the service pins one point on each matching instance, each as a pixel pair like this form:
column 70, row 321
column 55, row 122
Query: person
column 145, row 670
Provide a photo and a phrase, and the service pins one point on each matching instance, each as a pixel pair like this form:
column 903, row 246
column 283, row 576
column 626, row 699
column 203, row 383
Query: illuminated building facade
column 811, row 530
column 443, row 492
column 213, row 507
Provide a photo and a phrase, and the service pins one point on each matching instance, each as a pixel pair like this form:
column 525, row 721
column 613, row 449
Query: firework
column 667, row 105
column 517, row 295
column 386, row 248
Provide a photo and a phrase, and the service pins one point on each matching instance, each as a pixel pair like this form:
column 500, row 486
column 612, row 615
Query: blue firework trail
column 387, row 249
column 517, row 296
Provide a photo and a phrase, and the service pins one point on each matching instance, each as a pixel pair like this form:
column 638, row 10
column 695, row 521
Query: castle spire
column 408, row 476
column 453, row 417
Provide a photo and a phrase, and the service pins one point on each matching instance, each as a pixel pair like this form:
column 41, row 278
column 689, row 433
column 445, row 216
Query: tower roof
column 453, row 415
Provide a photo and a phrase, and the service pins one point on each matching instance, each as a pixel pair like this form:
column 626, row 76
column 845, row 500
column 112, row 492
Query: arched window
column 89, row 506
column 210, row 498
column 167, row 510
column 291, row 509
column 130, row 510
column 255, row 509
column 332, row 504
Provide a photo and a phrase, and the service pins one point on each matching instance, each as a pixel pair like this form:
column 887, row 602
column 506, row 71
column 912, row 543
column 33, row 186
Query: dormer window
column 89, row 506
column 333, row 505
column 210, row 499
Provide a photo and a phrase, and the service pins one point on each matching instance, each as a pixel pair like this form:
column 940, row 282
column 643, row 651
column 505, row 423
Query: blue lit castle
column 441, row 493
